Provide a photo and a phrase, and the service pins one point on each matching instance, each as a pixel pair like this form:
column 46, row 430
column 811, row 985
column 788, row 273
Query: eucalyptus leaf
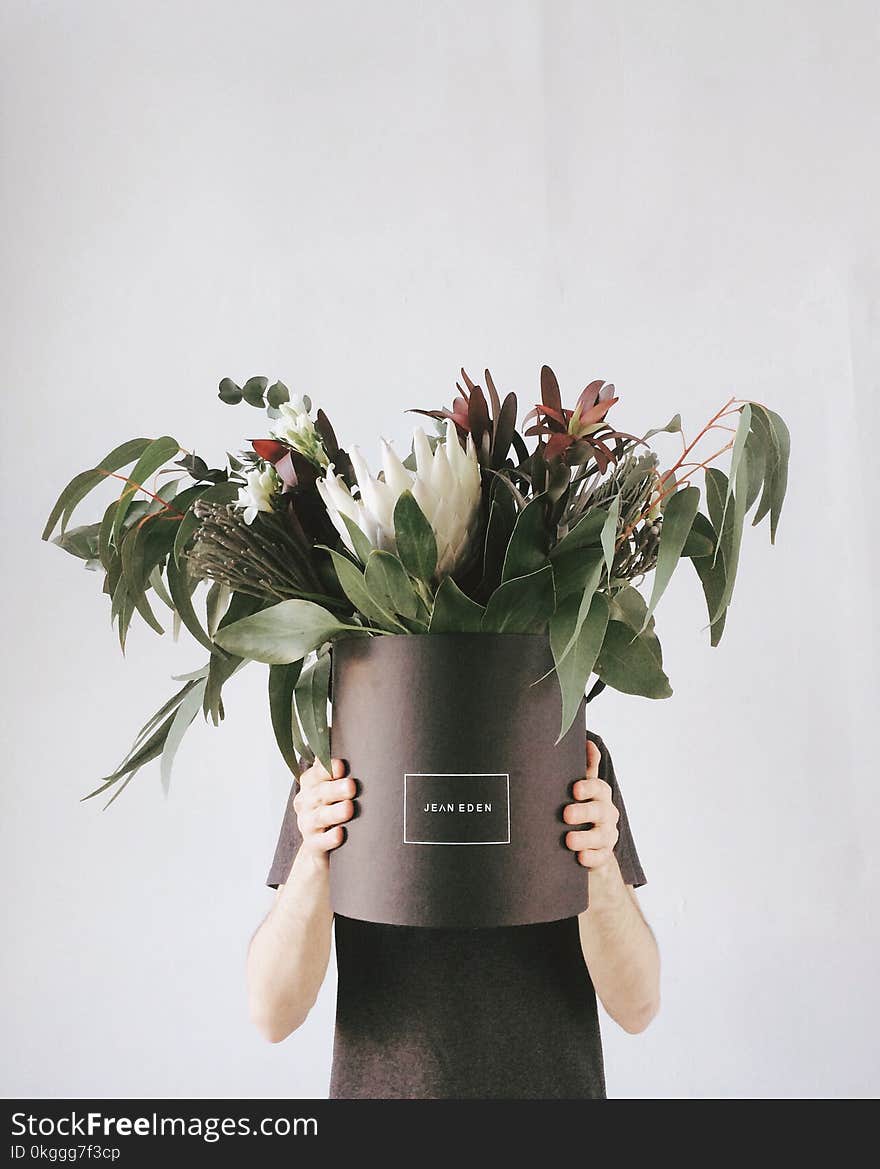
column 629, row 606
column 181, row 588
column 277, row 393
column 183, row 718
column 282, row 633
column 701, row 538
column 159, row 451
column 609, row 534
column 311, row 697
column 252, row 391
column 588, row 582
column 630, row 664
column 229, row 392
column 678, row 518
column 575, row 640
column 80, row 485
column 282, row 681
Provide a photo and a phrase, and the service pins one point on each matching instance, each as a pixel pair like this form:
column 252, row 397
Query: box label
column 463, row 808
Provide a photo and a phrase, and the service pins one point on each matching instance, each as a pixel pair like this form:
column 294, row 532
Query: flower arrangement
column 296, row 544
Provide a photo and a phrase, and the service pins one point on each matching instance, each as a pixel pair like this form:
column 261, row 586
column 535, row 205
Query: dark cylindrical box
column 452, row 739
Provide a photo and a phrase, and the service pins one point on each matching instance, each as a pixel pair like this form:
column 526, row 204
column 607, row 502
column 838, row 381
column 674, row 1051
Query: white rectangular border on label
column 458, row 775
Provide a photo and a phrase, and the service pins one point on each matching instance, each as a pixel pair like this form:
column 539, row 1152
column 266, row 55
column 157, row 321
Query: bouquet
column 567, row 528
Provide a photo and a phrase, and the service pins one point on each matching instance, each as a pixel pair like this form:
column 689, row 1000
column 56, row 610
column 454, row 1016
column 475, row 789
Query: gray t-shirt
column 450, row 1013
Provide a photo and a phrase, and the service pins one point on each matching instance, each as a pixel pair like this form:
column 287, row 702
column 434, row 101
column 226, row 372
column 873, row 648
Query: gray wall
column 679, row 196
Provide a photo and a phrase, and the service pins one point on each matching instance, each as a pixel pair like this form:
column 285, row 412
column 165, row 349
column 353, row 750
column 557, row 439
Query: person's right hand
column 323, row 804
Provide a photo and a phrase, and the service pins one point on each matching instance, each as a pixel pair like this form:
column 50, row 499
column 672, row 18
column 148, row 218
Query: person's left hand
column 594, row 814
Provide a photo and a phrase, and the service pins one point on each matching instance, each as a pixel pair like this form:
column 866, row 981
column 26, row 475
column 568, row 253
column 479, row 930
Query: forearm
column 288, row 955
column 620, row 951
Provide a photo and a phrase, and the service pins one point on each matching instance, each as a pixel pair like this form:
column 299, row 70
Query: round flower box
column 461, row 784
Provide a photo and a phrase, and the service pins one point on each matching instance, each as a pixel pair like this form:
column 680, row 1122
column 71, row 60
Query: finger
column 591, row 812
column 332, row 838
column 594, row 858
column 592, row 789
column 318, row 773
column 333, row 790
column 330, row 814
column 593, row 757
column 602, row 836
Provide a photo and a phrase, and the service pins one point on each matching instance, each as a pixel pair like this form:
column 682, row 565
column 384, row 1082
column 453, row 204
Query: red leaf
column 550, row 395
column 590, row 394
column 478, row 415
column 269, row 449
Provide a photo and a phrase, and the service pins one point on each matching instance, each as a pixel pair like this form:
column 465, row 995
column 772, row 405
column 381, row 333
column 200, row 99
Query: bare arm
column 288, row 955
column 619, row 948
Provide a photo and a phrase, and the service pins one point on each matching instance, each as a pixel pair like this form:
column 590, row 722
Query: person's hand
column 323, row 804
column 594, row 814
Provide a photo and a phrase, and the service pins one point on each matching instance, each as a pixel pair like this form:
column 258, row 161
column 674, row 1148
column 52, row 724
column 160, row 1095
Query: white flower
column 295, row 427
column 446, row 486
column 257, row 494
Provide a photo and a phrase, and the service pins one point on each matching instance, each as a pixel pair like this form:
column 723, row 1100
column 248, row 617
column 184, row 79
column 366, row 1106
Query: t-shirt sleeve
column 625, row 850
column 289, row 840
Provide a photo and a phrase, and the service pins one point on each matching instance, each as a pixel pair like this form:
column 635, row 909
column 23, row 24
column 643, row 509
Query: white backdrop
column 679, row 196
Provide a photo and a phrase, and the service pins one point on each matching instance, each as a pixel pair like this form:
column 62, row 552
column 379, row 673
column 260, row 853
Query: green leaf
column 780, row 475
column 155, row 456
column 630, row 664
column 135, row 573
column 586, row 532
column 360, row 543
column 181, row 587
column 80, row 485
column 739, row 443
column 416, row 542
column 609, row 534
column 453, row 611
column 763, row 453
column 522, row 605
column 282, row 681
column 730, row 538
column 673, row 426
column 351, row 581
column 278, row 393
column 711, row 574
column 252, row 391
column 186, row 712
column 150, row 749
column 575, row 642
column 216, row 604
column 221, row 668
column 311, row 696
column 678, row 518
column 282, row 633
column 82, row 542
column 389, row 586
column 229, row 392
column 701, row 538
column 590, row 573
column 527, row 550
column 629, row 606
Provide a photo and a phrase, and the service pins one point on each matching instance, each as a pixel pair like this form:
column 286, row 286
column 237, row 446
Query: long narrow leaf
column 183, row 719
column 155, row 456
column 282, row 681
column 575, row 642
column 311, row 696
column 80, row 485
column 677, row 521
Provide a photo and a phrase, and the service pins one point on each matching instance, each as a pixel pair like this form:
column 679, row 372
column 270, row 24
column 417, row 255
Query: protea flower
column 446, row 486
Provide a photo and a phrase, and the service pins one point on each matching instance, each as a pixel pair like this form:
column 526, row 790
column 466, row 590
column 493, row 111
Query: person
column 508, row 1012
